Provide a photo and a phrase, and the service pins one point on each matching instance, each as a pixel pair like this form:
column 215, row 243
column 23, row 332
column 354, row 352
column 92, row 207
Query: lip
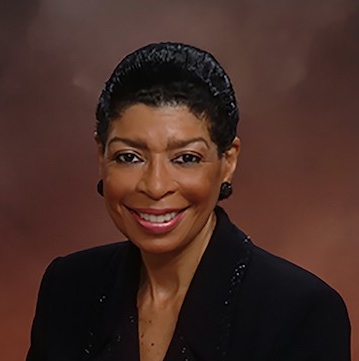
column 157, row 227
column 156, row 212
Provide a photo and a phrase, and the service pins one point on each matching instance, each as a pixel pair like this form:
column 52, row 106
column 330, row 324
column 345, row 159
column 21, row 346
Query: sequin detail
column 102, row 299
column 185, row 352
column 235, row 282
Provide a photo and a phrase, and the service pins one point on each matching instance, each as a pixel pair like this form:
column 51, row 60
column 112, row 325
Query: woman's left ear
column 231, row 158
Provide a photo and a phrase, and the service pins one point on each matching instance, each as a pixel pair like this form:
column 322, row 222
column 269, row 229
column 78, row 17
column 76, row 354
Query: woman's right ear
column 100, row 153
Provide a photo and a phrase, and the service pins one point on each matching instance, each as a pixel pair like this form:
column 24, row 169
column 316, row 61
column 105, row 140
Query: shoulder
column 266, row 272
column 293, row 310
column 78, row 269
column 94, row 257
column 272, row 282
column 276, row 273
column 288, row 313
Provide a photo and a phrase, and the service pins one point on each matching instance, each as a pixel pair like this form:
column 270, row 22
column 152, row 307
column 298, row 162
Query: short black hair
column 172, row 74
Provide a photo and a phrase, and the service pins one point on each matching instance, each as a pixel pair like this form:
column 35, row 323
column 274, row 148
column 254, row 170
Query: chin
column 157, row 246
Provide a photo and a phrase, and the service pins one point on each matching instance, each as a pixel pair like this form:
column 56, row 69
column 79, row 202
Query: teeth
column 158, row 219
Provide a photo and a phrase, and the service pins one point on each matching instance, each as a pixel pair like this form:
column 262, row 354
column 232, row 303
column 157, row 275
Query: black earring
column 100, row 187
column 226, row 191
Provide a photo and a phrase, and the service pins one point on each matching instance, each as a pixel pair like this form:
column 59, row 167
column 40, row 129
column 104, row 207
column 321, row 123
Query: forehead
column 161, row 123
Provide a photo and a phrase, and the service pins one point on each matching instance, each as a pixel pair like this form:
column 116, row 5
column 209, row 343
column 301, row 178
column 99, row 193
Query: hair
column 172, row 74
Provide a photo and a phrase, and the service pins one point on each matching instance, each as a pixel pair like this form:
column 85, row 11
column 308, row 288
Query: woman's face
column 162, row 176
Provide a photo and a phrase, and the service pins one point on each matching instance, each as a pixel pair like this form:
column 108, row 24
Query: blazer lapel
column 204, row 324
column 113, row 330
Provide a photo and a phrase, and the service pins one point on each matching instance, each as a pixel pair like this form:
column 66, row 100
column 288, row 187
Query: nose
column 156, row 180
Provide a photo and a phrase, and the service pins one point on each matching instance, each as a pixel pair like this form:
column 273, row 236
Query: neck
column 168, row 276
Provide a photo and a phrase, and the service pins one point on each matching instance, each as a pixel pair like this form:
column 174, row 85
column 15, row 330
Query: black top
column 243, row 304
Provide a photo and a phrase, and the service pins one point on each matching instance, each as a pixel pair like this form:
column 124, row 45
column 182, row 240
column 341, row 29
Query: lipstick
column 155, row 220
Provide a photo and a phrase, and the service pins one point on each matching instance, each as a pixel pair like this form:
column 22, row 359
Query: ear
column 100, row 153
column 230, row 158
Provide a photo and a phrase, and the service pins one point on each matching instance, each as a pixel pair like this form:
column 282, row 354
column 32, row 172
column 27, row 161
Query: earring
column 100, row 187
column 226, row 191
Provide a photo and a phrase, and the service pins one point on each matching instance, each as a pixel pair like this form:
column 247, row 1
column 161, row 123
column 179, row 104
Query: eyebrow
column 173, row 144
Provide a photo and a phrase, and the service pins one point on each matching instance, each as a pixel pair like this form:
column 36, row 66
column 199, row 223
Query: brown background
column 295, row 66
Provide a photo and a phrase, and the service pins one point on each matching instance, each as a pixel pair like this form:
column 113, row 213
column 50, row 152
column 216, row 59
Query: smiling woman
column 164, row 180
column 188, row 284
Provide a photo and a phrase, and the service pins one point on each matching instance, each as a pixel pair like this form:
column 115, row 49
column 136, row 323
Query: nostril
column 156, row 181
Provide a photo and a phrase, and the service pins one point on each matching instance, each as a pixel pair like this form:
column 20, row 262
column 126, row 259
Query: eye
column 127, row 158
column 187, row 158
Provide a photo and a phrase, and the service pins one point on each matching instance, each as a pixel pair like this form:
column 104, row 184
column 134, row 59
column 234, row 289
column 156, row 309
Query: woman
column 188, row 285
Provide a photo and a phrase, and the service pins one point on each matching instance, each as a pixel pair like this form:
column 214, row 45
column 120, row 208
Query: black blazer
column 243, row 304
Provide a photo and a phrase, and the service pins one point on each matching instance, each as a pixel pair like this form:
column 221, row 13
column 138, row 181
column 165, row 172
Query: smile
column 158, row 219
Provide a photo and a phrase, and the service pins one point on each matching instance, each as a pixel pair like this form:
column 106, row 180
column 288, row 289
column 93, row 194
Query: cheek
column 201, row 187
column 117, row 185
column 116, row 189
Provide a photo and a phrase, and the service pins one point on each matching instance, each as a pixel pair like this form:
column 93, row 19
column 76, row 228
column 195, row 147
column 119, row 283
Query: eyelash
column 131, row 158
column 187, row 159
column 127, row 158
